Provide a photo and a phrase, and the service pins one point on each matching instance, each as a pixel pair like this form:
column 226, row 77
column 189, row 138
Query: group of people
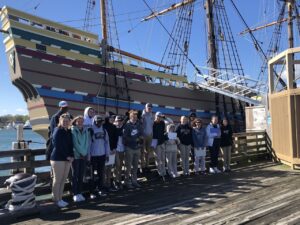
column 99, row 147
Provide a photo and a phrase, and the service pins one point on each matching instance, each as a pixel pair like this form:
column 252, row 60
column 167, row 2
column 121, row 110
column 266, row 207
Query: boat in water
column 49, row 62
column 27, row 125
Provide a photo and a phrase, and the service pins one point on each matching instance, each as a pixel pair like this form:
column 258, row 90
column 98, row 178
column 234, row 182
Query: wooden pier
column 257, row 191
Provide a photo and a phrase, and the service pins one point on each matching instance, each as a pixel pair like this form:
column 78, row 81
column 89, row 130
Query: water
column 9, row 136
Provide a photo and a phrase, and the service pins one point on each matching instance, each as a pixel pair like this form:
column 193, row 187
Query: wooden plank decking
column 263, row 193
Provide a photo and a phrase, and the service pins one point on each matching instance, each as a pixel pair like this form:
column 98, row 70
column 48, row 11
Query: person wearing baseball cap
column 63, row 108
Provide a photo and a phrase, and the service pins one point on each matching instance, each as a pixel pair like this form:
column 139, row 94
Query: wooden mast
column 103, row 19
column 212, row 50
column 290, row 6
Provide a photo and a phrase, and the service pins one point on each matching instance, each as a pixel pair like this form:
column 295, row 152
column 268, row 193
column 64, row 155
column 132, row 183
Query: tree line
column 5, row 119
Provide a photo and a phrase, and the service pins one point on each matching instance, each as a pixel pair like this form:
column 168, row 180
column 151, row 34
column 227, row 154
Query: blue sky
column 145, row 39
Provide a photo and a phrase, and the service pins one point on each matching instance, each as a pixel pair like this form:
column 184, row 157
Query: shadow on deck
column 250, row 193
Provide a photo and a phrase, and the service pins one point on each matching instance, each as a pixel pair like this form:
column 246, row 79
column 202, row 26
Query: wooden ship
column 49, row 62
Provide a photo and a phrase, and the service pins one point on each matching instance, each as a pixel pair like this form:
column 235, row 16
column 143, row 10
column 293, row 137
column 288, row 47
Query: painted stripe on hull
column 54, row 42
column 99, row 83
column 74, row 63
column 96, row 101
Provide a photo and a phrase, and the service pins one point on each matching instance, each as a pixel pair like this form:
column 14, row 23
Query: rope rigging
column 171, row 37
column 181, row 33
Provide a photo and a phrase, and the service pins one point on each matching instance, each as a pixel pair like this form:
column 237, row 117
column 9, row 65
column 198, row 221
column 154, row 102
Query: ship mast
column 212, row 50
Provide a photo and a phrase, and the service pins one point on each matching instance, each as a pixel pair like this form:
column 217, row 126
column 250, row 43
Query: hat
column 148, row 105
column 62, row 104
column 192, row 114
column 98, row 118
column 119, row 118
column 158, row 114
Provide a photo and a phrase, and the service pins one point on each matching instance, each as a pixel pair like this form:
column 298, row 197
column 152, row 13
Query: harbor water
column 7, row 136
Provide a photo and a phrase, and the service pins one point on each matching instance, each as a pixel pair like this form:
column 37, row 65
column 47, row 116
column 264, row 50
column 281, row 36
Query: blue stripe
column 112, row 103
column 48, row 41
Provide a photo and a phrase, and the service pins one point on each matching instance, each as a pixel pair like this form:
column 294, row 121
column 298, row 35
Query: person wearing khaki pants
column 60, row 174
column 120, row 153
column 132, row 138
column 184, row 133
column 226, row 144
column 61, row 158
column 147, row 125
column 159, row 139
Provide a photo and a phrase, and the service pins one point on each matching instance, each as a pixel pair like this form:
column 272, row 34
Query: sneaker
column 60, row 204
column 92, row 196
column 216, row 170
column 81, row 197
column 136, row 184
column 66, row 204
column 76, row 198
column 102, row 194
column 211, row 170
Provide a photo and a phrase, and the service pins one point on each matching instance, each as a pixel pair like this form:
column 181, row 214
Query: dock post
column 18, row 145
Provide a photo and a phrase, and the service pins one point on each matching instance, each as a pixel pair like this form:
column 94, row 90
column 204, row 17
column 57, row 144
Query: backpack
column 49, row 148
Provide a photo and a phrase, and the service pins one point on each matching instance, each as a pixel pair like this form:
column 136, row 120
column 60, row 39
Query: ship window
column 50, row 28
column 13, row 18
column 76, row 36
column 24, row 21
column 41, row 48
column 63, row 32
column 38, row 25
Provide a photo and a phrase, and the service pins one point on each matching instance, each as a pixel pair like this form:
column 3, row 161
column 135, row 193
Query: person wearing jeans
column 132, row 138
column 61, row 158
column 81, row 144
column 184, row 133
column 213, row 133
column 199, row 138
column 226, row 144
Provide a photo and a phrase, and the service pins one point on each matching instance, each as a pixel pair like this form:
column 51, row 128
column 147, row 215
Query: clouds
column 19, row 111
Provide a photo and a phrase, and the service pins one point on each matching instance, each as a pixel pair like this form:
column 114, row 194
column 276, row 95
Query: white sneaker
column 60, row 204
column 65, row 203
column 92, row 196
column 211, row 170
column 76, row 198
column 216, row 170
column 81, row 197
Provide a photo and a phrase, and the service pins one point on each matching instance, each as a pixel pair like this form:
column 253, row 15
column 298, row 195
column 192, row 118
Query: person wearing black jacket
column 113, row 141
column 61, row 158
column 184, row 133
column 226, row 144
column 159, row 144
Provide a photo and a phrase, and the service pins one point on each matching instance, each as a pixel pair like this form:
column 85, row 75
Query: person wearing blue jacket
column 199, row 139
column 213, row 133
column 81, row 143
column 61, row 158
column 98, row 155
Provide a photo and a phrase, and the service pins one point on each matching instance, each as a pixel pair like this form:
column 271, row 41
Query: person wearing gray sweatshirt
column 132, row 139
column 98, row 155
column 147, row 123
